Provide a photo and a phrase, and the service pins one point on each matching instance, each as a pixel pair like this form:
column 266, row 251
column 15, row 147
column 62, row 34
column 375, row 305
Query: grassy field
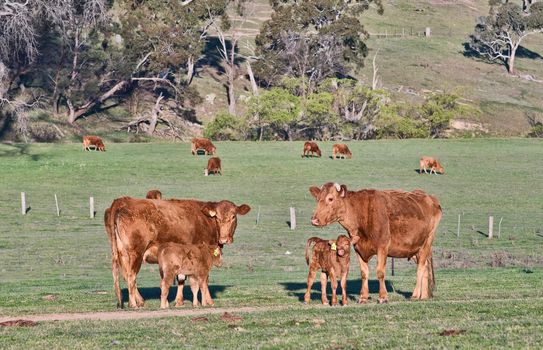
column 489, row 290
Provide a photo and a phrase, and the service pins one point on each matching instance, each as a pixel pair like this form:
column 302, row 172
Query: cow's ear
column 243, row 209
column 354, row 240
column 343, row 191
column 209, row 210
column 315, row 191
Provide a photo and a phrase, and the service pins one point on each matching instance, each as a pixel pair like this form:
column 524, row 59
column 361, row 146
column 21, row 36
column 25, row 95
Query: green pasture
column 489, row 289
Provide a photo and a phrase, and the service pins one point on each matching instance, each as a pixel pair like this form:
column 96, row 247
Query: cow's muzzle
column 315, row 222
column 226, row 241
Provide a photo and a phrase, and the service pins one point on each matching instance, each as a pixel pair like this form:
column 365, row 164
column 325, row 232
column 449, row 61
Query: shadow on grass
column 298, row 289
column 428, row 173
column 149, row 293
column 18, row 149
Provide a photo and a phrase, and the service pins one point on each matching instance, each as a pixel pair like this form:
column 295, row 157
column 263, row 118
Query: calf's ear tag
column 216, row 252
column 334, row 246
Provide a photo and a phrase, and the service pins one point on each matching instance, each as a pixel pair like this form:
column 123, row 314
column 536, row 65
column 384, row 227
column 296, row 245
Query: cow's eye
column 233, row 217
column 330, row 199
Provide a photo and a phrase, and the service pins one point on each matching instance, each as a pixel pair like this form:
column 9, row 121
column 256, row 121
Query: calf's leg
column 194, row 286
column 165, row 289
column 324, row 281
column 180, row 285
column 310, row 280
column 344, row 288
column 333, row 284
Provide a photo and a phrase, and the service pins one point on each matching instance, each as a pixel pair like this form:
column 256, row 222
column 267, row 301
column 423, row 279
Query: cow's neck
column 347, row 218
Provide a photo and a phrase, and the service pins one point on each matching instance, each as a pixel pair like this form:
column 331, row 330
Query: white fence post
column 490, row 227
column 91, row 206
column 56, row 204
column 23, row 203
column 292, row 218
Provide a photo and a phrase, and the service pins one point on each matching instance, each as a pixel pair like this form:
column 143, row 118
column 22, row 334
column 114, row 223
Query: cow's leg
column 364, row 273
column 179, row 296
column 194, row 286
column 131, row 264
column 344, row 289
column 333, row 284
column 310, row 280
column 421, row 290
column 206, row 295
column 324, row 280
column 381, row 268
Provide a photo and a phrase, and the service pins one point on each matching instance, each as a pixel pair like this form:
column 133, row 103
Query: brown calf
column 154, row 194
column 95, row 141
column 332, row 257
column 202, row 143
column 432, row 163
column 342, row 149
column 311, row 147
column 213, row 166
column 182, row 260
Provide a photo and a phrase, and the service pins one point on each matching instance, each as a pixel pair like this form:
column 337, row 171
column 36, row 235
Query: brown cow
column 390, row 223
column 213, row 166
column 311, row 147
column 182, row 260
column 137, row 227
column 432, row 163
column 154, row 194
column 202, row 143
column 333, row 258
column 95, row 141
column 342, row 149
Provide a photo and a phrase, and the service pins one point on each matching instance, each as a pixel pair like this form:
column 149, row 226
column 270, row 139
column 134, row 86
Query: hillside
column 413, row 64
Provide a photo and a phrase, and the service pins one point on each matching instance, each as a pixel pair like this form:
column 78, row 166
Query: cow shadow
column 298, row 289
column 418, row 171
column 149, row 293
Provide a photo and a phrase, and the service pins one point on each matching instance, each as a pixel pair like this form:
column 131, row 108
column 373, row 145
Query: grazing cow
column 202, row 143
column 432, row 163
column 333, row 258
column 95, row 141
column 342, row 149
column 311, row 147
column 214, row 166
column 390, row 223
column 137, row 227
column 182, row 260
column 154, row 194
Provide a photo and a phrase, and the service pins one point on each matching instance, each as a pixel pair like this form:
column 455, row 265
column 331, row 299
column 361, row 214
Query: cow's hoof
column 181, row 304
column 325, row 302
column 382, row 300
column 362, row 301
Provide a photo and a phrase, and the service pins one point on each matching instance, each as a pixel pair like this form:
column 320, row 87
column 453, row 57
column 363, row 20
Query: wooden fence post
column 490, row 227
column 500, row 227
column 458, row 228
column 23, row 203
column 428, row 32
column 258, row 215
column 56, row 204
column 91, row 206
column 292, row 218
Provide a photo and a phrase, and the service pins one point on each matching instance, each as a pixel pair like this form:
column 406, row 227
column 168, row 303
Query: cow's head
column 225, row 213
column 212, row 149
column 330, row 203
column 440, row 168
column 216, row 255
column 343, row 244
column 319, row 152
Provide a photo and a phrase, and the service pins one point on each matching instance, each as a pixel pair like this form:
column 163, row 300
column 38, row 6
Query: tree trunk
column 231, row 94
column 154, row 116
column 254, row 86
column 75, row 114
column 511, row 61
column 190, row 70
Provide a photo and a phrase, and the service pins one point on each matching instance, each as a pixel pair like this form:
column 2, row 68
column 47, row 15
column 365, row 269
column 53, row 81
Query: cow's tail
column 308, row 246
column 111, row 229
column 431, row 280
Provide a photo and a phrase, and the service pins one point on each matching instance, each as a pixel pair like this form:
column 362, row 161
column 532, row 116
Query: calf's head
column 440, row 168
column 330, row 203
column 225, row 213
column 216, row 255
column 342, row 245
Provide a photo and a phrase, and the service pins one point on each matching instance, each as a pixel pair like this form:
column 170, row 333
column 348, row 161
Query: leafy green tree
column 312, row 40
column 276, row 109
column 225, row 127
column 499, row 35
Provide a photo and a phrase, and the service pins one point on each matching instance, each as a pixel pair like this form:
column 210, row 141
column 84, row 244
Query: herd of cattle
column 185, row 237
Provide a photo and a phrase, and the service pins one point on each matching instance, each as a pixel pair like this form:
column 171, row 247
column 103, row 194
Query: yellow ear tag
column 334, row 246
column 216, row 252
